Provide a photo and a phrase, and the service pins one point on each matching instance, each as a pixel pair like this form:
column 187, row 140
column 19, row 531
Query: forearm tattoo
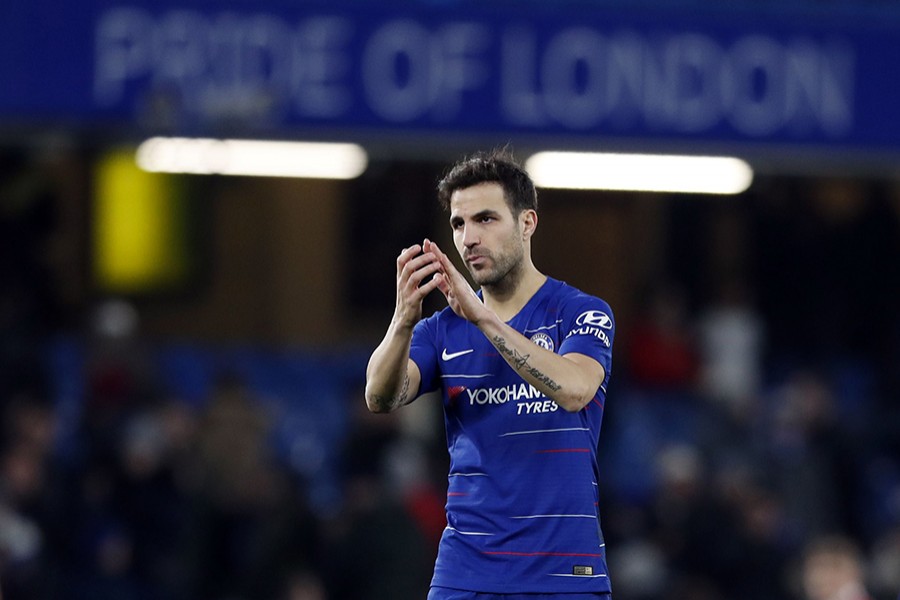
column 388, row 403
column 520, row 363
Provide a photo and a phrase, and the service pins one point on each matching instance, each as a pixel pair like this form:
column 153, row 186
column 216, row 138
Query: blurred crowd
column 721, row 483
column 135, row 491
column 729, row 481
column 751, row 448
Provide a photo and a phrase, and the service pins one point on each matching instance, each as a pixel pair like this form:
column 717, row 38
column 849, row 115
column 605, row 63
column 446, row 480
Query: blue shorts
column 442, row 593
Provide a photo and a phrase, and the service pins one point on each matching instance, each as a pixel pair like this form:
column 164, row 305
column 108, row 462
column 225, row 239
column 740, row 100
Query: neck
column 506, row 298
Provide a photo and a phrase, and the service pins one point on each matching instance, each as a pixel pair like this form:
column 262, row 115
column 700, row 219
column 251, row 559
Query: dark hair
column 498, row 166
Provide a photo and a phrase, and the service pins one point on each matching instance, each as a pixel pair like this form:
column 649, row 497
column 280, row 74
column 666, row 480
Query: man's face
column 487, row 235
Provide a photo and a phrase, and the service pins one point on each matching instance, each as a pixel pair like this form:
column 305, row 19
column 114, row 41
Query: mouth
column 476, row 260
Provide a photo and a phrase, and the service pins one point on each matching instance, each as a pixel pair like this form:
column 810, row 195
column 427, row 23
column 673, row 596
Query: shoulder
column 574, row 301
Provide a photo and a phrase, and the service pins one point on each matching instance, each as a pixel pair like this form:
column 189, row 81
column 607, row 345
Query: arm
column 392, row 378
column 570, row 380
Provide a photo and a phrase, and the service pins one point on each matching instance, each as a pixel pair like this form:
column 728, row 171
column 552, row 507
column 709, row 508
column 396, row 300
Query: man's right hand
column 392, row 379
column 413, row 268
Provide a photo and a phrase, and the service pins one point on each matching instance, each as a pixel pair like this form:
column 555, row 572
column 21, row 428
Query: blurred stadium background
column 182, row 355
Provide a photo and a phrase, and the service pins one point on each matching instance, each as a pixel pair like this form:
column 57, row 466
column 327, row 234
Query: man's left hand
column 460, row 295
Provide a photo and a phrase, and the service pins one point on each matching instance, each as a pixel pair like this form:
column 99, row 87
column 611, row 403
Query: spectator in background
column 380, row 531
column 885, row 563
column 731, row 336
column 833, row 569
column 662, row 353
column 812, row 462
column 237, row 493
column 22, row 543
column 152, row 497
column 303, row 585
column 695, row 529
column 28, row 496
column 764, row 543
column 120, row 378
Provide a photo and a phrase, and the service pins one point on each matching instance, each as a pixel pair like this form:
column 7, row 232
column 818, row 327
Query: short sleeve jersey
column 522, row 502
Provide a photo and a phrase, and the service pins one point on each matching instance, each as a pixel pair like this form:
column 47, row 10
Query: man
column 523, row 368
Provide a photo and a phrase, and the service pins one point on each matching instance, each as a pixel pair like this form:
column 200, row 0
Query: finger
column 411, row 251
column 430, row 285
column 429, row 246
column 409, row 260
column 447, row 264
column 416, row 264
column 442, row 283
column 419, row 261
column 414, row 286
column 445, row 260
column 406, row 254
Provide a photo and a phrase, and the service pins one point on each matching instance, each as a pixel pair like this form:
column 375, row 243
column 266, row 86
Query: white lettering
column 594, row 331
column 689, row 82
column 753, row 86
column 123, row 52
column 519, row 98
column 819, row 86
column 625, row 75
column 533, row 408
column 409, row 70
column 225, row 65
column 237, row 65
column 513, row 393
column 695, row 89
column 320, row 62
column 574, row 70
column 179, row 47
column 460, row 69
column 397, row 64
column 231, row 65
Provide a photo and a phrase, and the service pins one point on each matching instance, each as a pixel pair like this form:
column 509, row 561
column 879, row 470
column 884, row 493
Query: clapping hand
column 460, row 295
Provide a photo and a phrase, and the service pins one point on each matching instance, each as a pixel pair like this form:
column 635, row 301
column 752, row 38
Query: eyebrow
column 480, row 214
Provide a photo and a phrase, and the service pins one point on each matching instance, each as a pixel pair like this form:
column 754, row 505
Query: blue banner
column 564, row 74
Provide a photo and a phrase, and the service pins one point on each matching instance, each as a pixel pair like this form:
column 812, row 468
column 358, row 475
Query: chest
column 482, row 389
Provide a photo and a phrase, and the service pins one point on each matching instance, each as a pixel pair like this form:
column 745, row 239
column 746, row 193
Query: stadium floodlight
column 640, row 172
column 205, row 156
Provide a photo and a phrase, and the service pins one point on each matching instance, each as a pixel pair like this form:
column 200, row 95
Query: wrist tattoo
column 520, row 363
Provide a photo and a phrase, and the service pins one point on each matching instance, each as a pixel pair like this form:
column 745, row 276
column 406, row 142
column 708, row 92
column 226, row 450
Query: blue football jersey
column 522, row 501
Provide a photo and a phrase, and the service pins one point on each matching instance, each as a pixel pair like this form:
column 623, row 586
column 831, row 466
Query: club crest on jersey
column 543, row 340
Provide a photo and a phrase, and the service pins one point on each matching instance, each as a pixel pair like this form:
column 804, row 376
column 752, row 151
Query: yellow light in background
column 206, row 156
column 138, row 231
column 640, row 172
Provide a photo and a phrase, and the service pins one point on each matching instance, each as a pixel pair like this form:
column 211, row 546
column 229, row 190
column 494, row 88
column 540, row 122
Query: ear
column 528, row 220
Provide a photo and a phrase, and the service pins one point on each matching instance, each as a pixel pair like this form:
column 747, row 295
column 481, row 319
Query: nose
column 469, row 237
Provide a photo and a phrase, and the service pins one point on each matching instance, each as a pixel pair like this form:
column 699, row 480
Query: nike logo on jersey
column 451, row 355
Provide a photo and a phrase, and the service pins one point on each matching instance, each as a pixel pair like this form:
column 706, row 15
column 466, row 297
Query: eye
column 486, row 219
column 456, row 223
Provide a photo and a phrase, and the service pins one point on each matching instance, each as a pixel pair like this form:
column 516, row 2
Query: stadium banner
column 533, row 71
